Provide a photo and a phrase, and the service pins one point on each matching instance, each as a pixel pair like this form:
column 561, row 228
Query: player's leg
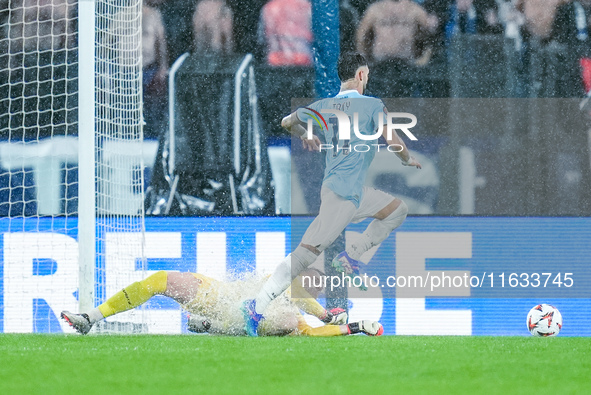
column 386, row 220
column 389, row 213
column 334, row 215
column 128, row 298
column 182, row 287
column 178, row 286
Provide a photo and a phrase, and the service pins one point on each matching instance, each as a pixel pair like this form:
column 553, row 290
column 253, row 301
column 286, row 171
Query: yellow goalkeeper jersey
column 206, row 297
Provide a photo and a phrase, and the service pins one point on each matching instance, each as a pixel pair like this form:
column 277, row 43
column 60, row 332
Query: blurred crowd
column 279, row 31
column 396, row 36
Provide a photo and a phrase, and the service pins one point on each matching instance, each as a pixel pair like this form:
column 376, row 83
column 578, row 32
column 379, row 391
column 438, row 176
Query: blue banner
column 433, row 276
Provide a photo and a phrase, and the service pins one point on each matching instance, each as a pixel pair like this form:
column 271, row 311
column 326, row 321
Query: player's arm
column 370, row 328
column 303, row 294
column 161, row 49
column 227, row 30
column 201, row 324
column 364, row 32
column 304, row 329
column 403, row 153
column 295, row 126
column 427, row 22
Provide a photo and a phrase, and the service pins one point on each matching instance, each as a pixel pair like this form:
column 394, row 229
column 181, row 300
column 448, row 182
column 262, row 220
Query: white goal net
column 71, row 158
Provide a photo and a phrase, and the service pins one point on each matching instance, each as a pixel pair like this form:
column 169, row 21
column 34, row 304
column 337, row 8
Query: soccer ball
column 544, row 320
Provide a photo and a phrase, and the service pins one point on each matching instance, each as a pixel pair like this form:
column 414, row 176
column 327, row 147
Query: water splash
column 222, row 304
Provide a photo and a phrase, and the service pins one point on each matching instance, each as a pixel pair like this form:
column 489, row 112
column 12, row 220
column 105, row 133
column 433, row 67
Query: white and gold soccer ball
column 544, row 320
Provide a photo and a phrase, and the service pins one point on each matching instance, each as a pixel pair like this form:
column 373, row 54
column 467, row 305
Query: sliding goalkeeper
column 214, row 307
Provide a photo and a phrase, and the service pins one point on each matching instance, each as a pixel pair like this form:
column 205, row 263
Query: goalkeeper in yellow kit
column 214, row 307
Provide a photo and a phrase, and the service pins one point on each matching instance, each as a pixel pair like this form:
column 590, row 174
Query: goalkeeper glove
column 371, row 328
column 198, row 324
column 336, row 316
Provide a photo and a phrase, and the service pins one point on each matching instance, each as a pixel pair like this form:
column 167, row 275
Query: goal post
column 71, row 159
column 112, row 218
column 86, row 153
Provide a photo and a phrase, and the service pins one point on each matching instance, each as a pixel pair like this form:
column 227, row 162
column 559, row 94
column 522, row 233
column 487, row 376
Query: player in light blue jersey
column 344, row 197
column 347, row 160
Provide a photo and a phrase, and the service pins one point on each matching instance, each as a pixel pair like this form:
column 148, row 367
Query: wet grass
column 47, row 364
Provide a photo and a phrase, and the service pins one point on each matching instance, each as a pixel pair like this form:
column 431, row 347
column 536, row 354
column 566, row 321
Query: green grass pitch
column 194, row 364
